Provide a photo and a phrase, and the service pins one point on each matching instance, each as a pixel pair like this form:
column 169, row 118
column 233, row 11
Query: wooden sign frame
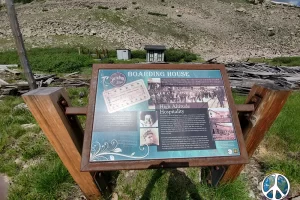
column 86, row 165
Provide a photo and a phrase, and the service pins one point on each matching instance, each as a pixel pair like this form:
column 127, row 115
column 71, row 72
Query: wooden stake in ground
column 14, row 24
column 268, row 102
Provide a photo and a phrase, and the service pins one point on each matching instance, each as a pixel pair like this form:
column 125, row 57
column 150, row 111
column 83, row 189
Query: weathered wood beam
column 268, row 102
column 65, row 135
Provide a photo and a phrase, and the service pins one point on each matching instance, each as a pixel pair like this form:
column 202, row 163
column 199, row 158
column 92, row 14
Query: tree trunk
column 14, row 24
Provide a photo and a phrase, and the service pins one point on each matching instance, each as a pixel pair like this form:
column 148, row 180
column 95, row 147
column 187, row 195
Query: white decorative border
column 108, row 151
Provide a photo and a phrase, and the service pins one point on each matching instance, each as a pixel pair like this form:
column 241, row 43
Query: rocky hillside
column 228, row 29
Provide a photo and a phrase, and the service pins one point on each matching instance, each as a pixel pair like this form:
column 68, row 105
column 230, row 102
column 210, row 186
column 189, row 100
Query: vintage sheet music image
column 125, row 96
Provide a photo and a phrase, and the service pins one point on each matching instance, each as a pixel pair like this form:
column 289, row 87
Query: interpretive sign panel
column 142, row 115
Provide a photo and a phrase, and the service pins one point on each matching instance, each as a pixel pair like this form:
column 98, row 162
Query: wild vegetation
column 57, row 60
column 36, row 172
column 64, row 60
column 279, row 61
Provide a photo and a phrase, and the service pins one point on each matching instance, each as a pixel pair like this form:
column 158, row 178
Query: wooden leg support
column 268, row 102
column 63, row 134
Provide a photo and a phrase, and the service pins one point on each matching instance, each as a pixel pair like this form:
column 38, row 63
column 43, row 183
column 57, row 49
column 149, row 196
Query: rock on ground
column 211, row 28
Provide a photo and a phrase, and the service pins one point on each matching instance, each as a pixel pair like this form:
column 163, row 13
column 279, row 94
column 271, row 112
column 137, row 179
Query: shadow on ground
column 178, row 181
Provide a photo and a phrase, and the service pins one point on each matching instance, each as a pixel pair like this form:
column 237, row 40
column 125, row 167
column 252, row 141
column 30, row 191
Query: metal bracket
column 73, row 121
column 255, row 100
column 215, row 175
column 248, row 117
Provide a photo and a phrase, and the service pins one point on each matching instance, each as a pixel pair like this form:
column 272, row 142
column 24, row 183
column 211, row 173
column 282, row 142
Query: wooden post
column 268, row 102
column 14, row 24
column 44, row 104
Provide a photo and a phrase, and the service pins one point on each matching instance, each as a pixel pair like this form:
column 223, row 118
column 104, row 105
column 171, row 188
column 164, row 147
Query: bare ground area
column 210, row 28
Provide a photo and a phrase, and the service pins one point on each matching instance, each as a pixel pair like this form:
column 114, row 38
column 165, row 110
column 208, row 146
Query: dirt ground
column 230, row 30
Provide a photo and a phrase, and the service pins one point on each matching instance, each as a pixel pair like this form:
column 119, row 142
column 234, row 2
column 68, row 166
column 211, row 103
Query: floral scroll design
column 108, row 151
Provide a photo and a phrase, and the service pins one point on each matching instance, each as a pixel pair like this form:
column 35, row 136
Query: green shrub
column 138, row 54
column 63, row 63
column 176, row 55
column 189, row 58
column 289, row 61
column 102, row 7
column 112, row 53
column 157, row 14
column 122, row 8
column 55, row 60
column 108, row 61
column 9, row 57
column 23, row 1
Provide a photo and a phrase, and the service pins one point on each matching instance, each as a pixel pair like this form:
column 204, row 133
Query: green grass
column 283, row 141
column 238, row 99
column 37, row 173
column 288, row 167
column 279, row 61
column 27, row 157
column 59, row 60
column 67, row 60
column 47, row 180
column 175, row 184
column 116, row 61
column 287, row 126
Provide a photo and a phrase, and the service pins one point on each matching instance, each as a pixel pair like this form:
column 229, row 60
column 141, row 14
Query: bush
column 122, row 8
column 55, row 60
column 108, row 61
column 157, row 14
column 102, row 7
column 112, row 53
column 23, row 1
column 63, row 63
column 138, row 54
column 176, row 55
column 289, row 61
column 189, row 58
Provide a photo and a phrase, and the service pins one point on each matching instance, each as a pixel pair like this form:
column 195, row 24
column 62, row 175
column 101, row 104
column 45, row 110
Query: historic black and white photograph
column 148, row 119
column 214, row 95
column 219, row 115
column 223, row 131
column 149, row 136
